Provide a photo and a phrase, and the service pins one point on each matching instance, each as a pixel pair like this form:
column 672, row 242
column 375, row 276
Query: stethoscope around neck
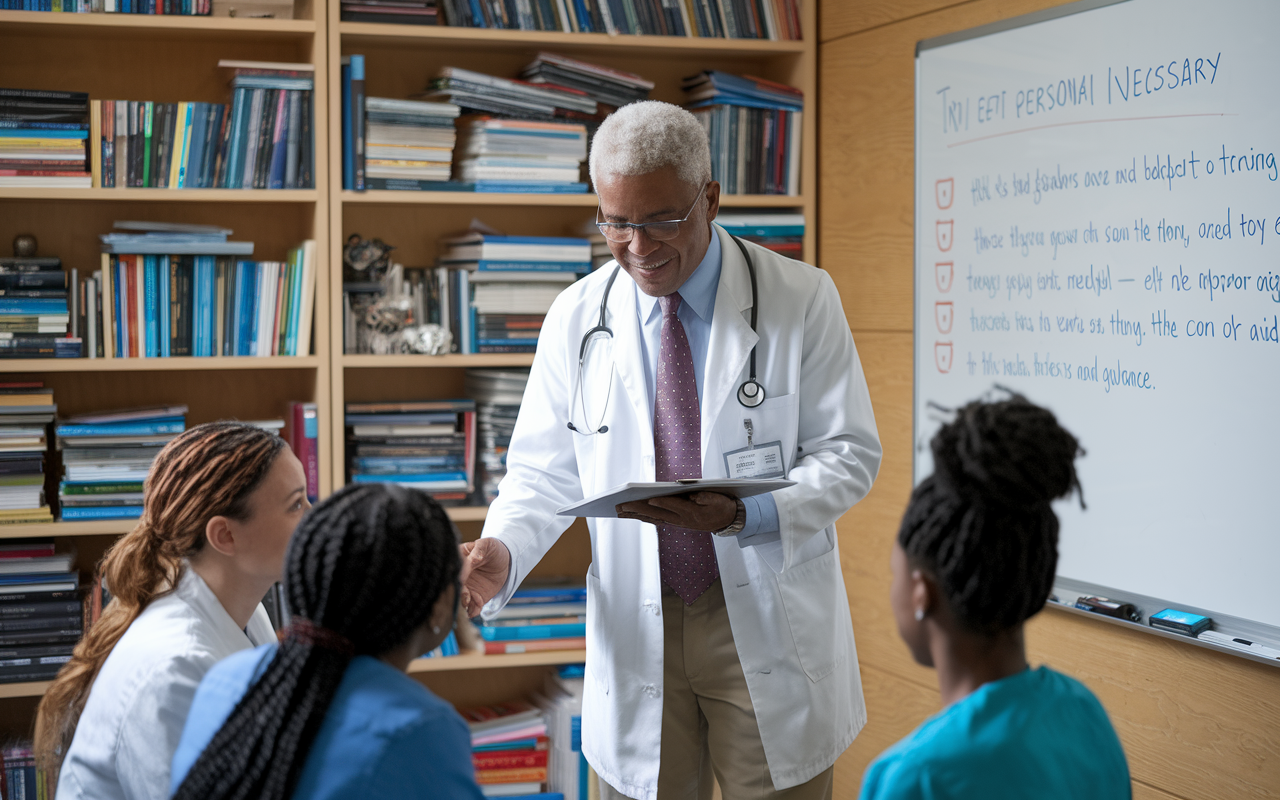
column 750, row 394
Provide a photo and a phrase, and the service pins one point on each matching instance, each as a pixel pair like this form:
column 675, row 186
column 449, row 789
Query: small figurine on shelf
column 365, row 259
column 24, row 246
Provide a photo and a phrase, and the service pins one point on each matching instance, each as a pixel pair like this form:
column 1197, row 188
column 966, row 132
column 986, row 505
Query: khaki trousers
column 708, row 723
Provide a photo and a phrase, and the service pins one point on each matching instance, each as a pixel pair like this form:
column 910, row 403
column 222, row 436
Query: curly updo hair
column 982, row 525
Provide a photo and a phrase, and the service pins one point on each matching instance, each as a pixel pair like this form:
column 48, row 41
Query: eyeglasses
column 623, row 232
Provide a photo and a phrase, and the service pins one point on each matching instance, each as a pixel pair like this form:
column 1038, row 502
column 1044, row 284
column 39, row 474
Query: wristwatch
column 739, row 521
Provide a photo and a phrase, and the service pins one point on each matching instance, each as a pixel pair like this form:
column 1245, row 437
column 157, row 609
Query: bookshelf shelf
column 163, row 195
column 155, row 364
column 96, row 527
column 569, row 200
column 406, row 361
column 475, row 661
column 31, row 689
column 383, row 34
column 160, row 24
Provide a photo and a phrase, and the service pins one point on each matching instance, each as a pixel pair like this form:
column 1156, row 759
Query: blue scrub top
column 1036, row 734
column 384, row 736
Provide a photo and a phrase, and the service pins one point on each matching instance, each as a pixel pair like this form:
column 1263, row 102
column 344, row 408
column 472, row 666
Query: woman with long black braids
column 974, row 559
column 371, row 577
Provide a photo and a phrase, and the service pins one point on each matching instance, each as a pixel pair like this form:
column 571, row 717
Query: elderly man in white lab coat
column 719, row 637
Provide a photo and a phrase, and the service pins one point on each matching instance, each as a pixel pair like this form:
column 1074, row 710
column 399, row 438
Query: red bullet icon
column 944, row 273
column 944, row 230
column 942, row 314
column 944, row 190
column 942, row 356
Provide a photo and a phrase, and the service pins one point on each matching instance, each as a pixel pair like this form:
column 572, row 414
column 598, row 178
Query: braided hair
column 982, row 525
column 368, row 564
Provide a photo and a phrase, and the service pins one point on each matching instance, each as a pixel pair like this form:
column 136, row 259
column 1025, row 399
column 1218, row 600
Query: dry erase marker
column 1244, row 645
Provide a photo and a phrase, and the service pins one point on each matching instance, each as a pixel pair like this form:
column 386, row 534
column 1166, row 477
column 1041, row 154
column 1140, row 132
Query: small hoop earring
column 435, row 629
column 919, row 615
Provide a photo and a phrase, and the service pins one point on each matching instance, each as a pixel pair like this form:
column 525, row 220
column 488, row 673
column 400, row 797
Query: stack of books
column 44, row 138
column 408, row 143
column 183, row 7
column 561, row 702
column 509, row 155
column 106, row 457
column 780, row 232
column 41, row 616
column 37, row 319
column 428, row 445
column 177, row 290
column 477, row 91
column 403, row 12
column 509, row 284
column 538, row 619
column 608, row 87
column 26, row 409
column 754, row 128
column 509, row 749
column 735, row 19
column 498, row 394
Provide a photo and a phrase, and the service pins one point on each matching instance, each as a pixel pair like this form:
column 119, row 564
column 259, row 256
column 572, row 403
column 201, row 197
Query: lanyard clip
column 746, row 423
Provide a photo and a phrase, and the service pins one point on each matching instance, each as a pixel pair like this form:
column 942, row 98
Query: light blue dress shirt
column 1038, row 734
column 384, row 736
column 697, row 303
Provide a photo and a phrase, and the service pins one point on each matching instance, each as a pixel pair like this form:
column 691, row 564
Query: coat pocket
column 816, row 606
column 597, row 653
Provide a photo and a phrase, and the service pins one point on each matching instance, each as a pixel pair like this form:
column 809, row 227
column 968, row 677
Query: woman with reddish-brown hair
column 219, row 507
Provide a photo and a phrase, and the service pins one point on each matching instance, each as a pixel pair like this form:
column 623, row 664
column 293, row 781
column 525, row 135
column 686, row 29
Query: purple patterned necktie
column 687, row 558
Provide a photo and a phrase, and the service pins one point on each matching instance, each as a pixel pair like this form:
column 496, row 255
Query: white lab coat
column 138, row 705
column 786, row 599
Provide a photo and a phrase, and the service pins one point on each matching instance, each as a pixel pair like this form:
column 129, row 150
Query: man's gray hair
column 644, row 137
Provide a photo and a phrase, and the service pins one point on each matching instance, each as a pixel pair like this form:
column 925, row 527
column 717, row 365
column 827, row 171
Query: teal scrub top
column 384, row 735
column 1036, row 734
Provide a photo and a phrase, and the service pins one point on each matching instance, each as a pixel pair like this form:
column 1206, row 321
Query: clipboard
column 605, row 504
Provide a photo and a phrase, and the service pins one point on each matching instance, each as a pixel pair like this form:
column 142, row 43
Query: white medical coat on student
column 786, row 599
column 137, row 707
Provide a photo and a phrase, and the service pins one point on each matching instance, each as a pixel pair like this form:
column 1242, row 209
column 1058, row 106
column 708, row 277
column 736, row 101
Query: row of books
column 171, row 7
column 428, row 445
column 263, row 139
column 510, row 749
column 754, row 129
column 561, row 702
column 26, row 409
column 41, row 613
column 44, row 138
column 498, row 394
column 21, row 779
column 733, row 19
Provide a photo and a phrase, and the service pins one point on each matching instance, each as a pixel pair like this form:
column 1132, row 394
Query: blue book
column 529, row 187
column 101, row 512
column 118, row 290
column 576, row 267
column 167, row 271
column 41, row 127
column 348, row 140
column 42, row 133
column 384, row 463
column 197, row 306
column 279, row 146
column 38, row 577
column 514, row 744
column 557, row 594
column 149, row 310
column 237, row 306
column 295, row 303
column 202, row 304
column 235, row 179
column 32, row 307
column 524, row 632
column 199, row 121
column 150, row 428
column 249, row 331
column 745, row 102
column 415, row 418
column 419, row 477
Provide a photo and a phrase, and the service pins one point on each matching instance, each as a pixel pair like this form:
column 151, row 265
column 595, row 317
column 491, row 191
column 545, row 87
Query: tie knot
column 670, row 304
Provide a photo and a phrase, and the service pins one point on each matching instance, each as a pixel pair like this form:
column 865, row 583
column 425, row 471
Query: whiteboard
column 1098, row 228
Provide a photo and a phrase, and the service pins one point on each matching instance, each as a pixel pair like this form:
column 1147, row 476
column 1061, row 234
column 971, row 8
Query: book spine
column 279, row 144
column 358, row 120
column 164, row 267
column 148, row 116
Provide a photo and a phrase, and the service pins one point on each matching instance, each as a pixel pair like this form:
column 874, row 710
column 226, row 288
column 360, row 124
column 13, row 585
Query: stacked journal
column 26, row 409
column 106, row 458
column 511, row 282
column 36, row 309
column 608, row 87
column 427, row 445
column 538, row 618
column 44, row 138
column 511, row 155
column 754, row 127
column 509, row 748
column 498, row 394
column 408, row 143
column 781, row 233
column 41, row 617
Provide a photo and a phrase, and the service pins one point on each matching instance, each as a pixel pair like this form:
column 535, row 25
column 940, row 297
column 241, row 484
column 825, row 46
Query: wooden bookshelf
column 568, row 200
column 46, row 23
column 431, row 362
column 28, row 689
column 35, row 365
column 161, row 195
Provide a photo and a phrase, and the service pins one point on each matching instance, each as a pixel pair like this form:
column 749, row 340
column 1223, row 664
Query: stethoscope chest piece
column 751, row 394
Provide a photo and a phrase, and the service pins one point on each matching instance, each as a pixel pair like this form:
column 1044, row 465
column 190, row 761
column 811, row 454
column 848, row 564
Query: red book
column 509, row 759
column 32, row 550
column 534, row 646
column 490, row 777
column 131, row 275
column 302, row 434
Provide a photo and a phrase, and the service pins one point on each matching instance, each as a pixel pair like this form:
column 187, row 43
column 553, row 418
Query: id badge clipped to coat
column 762, row 460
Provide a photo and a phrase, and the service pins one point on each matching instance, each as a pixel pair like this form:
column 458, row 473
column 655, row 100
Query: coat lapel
column 731, row 337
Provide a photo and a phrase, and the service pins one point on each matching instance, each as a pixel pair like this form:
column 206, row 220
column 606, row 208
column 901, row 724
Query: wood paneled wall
column 1196, row 725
